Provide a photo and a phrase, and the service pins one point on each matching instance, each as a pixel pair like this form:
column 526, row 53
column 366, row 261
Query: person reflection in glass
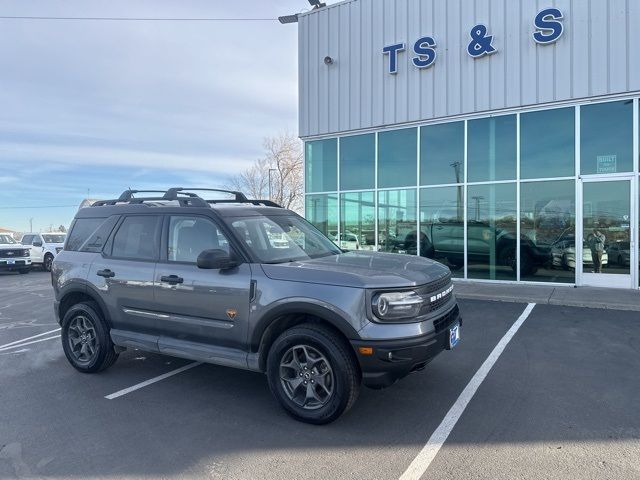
column 596, row 244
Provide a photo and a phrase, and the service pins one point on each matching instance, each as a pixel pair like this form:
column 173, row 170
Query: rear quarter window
column 89, row 234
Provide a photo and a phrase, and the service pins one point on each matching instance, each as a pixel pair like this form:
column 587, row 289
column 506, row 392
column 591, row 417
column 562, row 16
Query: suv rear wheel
column 48, row 261
column 85, row 339
column 313, row 374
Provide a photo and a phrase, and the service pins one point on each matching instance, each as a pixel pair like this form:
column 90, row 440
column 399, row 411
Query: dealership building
column 499, row 137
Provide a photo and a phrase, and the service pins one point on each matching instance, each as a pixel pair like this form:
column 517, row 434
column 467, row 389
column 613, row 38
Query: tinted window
column 321, row 165
column 80, row 231
column 442, row 154
column 397, row 158
column 26, row 240
column 606, row 137
column 547, row 143
column 358, row 225
column 397, row 226
column 322, row 212
column 54, row 237
column 100, row 235
column 492, row 149
column 357, row 162
column 190, row 236
column 137, row 238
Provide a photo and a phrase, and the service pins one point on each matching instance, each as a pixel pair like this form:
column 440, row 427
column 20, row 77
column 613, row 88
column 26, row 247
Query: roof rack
column 184, row 196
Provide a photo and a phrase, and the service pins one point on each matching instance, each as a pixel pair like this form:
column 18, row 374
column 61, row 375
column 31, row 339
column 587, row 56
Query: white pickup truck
column 44, row 247
column 13, row 256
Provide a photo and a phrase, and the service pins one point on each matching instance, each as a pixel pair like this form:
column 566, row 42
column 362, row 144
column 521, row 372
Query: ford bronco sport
column 203, row 279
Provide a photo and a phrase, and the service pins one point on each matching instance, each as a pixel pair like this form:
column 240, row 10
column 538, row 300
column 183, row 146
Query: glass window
column 547, row 143
column 322, row 212
column 138, row 238
column 357, row 162
column 321, row 165
column 358, row 227
column 397, row 223
column 491, row 231
column 98, row 238
column 190, row 236
column 606, row 138
column 492, row 149
column 282, row 238
column 442, row 226
column 397, row 158
column 54, row 237
column 81, row 230
column 442, row 154
column 547, row 231
column 27, row 239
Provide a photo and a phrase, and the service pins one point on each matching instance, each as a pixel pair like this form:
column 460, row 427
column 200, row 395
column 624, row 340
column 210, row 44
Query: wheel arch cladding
column 75, row 296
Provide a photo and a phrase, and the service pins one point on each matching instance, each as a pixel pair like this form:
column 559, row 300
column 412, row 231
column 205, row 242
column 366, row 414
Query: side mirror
column 216, row 259
column 37, row 244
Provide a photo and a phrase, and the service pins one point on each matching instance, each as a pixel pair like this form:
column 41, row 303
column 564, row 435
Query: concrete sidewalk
column 589, row 297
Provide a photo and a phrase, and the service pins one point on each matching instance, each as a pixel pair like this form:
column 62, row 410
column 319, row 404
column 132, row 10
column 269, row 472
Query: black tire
column 343, row 369
column 24, row 271
column 104, row 354
column 47, row 262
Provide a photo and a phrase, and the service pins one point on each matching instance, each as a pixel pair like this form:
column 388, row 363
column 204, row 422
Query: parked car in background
column 44, row 247
column 620, row 253
column 348, row 241
column 13, row 256
column 564, row 254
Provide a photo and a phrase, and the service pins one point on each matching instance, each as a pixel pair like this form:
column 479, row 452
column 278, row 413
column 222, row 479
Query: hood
column 13, row 246
column 360, row 270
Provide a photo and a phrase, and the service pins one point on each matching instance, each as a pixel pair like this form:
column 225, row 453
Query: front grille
column 14, row 253
column 443, row 322
column 432, row 290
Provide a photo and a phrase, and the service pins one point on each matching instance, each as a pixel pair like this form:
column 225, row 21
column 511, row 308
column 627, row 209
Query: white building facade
column 500, row 137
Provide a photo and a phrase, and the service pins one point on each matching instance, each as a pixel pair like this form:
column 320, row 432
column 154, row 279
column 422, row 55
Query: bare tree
column 278, row 176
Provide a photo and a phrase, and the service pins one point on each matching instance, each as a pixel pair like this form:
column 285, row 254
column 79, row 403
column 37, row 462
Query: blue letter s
column 548, row 25
column 424, row 48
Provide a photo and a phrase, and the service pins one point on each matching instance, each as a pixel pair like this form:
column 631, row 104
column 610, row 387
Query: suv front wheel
column 313, row 374
column 85, row 339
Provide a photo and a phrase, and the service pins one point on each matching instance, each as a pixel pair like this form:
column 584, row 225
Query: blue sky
column 98, row 107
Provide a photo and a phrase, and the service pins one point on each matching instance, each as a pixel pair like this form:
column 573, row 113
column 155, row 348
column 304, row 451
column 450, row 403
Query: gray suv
column 247, row 284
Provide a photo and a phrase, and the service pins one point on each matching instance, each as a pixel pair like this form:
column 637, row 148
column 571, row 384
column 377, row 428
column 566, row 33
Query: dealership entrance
column 606, row 254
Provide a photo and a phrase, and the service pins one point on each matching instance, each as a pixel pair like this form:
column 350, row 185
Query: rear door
column 200, row 309
column 124, row 276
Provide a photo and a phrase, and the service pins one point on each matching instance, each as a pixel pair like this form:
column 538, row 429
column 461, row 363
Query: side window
column 98, row 238
column 138, row 238
column 37, row 239
column 80, row 231
column 190, row 236
column 26, row 240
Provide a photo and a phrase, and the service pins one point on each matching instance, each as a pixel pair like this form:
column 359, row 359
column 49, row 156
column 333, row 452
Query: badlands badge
column 231, row 313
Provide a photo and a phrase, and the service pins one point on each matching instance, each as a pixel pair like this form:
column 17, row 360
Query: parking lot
column 561, row 401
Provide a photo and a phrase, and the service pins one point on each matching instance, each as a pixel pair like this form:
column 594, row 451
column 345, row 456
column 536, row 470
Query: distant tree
column 277, row 176
column 62, row 229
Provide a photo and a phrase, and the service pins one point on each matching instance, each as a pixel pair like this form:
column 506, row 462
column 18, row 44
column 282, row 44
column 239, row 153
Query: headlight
column 397, row 305
column 25, row 253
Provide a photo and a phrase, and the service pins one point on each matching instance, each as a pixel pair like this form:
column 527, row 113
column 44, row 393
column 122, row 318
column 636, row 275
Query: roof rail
column 173, row 192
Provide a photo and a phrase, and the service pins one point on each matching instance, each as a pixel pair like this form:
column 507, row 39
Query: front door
column 605, row 247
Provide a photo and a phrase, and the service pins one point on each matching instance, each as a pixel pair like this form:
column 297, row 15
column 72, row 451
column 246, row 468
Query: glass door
column 607, row 235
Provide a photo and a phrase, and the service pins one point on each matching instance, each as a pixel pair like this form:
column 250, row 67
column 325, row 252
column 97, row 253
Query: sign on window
column 607, row 163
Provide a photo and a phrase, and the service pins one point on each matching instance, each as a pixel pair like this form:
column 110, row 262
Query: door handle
column 172, row 279
column 106, row 273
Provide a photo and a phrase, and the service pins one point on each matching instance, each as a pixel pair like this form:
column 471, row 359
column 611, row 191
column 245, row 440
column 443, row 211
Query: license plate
column 454, row 336
column 11, row 262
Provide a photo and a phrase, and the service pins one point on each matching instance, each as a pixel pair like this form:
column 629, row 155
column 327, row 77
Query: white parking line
column 20, row 345
column 439, row 436
column 152, row 380
column 29, row 338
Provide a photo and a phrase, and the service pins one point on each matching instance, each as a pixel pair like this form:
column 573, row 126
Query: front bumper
column 392, row 360
column 19, row 264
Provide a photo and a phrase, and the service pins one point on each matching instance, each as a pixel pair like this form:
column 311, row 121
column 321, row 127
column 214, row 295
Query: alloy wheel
column 306, row 377
column 82, row 339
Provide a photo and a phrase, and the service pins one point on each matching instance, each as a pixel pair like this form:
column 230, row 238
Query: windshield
column 282, row 238
column 7, row 239
column 53, row 238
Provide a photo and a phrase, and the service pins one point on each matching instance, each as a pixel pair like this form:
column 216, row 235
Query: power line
column 140, row 19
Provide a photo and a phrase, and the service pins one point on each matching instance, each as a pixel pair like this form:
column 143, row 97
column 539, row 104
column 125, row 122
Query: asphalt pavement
column 559, row 401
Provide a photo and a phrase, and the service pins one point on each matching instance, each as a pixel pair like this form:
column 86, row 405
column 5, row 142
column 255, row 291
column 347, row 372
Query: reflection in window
column 322, row 212
column 491, row 231
column 547, row 143
column 442, row 154
column 321, row 165
column 190, row 236
column 357, row 162
column 358, row 222
column 397, row 158
column 547, row 231
column 606, row 138
column 492, row 149
column 442, row 226
column 397, row 227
